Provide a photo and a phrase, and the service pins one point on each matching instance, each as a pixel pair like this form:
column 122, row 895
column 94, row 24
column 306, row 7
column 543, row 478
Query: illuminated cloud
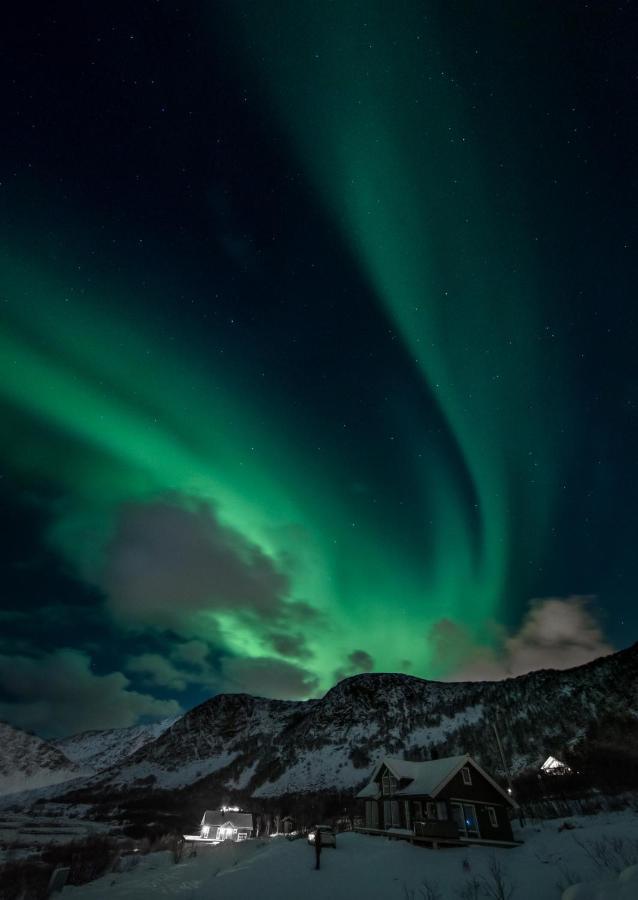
column 166, row 562
column 268, row 677
column 556, row 633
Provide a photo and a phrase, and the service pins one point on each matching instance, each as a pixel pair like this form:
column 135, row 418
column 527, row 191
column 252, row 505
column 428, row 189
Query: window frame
column 492, row 816
column 388, row 784
column 466, row 775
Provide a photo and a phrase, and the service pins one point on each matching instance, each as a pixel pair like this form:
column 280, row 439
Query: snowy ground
column 23, row 835
column 379, row 869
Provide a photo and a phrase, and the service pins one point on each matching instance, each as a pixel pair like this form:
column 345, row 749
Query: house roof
column 370, row 791
column 236, row 819
column 424, row 779
column 552, row 764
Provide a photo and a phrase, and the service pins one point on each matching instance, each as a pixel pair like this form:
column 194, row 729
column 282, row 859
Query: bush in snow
column 611, row 854
column 496, row 885
column 568, row 876
column 427, row 890
column 472, row 889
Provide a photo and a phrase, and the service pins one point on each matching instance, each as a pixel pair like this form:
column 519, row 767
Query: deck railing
column 436, row 828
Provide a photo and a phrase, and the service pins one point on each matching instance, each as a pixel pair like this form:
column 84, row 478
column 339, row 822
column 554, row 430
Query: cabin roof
column 424, row 779
column 552, row 764
column 236, row 819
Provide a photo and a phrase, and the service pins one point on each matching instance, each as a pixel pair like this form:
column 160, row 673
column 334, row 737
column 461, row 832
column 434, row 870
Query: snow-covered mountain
column 27, row 761
column 97, row 750
column 239, row 745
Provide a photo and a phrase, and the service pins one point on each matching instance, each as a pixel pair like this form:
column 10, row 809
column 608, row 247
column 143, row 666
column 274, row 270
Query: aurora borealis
column 317, row 351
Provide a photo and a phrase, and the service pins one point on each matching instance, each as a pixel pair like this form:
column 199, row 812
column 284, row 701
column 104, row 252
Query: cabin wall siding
column 480, row 793
column 480, row 789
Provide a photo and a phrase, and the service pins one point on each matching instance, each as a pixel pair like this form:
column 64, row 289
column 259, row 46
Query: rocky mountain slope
column 27, row 761
column 97, row 750
column 241, row 746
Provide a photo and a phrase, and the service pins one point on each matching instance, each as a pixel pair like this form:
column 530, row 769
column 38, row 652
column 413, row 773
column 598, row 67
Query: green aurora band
column 105, row 406
column 368, row 95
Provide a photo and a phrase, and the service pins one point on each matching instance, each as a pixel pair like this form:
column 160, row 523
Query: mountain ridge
column 245, row 746
column 239, row 745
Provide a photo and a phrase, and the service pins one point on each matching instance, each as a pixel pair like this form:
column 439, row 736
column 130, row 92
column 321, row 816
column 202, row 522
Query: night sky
column 317, row 349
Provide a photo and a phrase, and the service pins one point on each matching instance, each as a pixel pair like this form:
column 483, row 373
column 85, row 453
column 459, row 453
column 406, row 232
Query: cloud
column 166, row 562
column 194, row 653
column 158, row 671
column 361, row 660
column 556, row 633
column 356, row 662
column 268, row 677
column 289, row 645
column 185, row 663
column 58, row 694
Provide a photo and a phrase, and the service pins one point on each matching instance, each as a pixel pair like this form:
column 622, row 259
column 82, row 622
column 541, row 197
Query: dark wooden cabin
column 442, row 800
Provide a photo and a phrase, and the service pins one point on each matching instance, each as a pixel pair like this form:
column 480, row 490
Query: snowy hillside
column 268, row 748
column 97, row 750
column 27, row 761
column 229, row 732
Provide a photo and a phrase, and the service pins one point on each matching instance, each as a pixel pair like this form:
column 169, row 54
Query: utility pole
column 506, row 768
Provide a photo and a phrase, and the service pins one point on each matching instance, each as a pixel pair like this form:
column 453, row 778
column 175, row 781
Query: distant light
column 230, row 809
column 509, row 790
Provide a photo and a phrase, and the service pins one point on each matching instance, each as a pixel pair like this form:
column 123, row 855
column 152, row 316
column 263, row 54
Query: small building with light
column 553, row 766
column 226, row 825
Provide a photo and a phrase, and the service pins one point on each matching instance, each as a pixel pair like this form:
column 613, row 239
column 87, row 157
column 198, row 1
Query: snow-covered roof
column 236, row 819
column 370, row 791
column 424, row 779
column 552, row 764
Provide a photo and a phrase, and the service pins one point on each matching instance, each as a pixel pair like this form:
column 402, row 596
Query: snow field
column 380, row 869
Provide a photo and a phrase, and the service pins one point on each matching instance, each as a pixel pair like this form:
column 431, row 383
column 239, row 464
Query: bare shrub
column 470, row 889
column 427, row 890
column 567, row 877
column 178, row 848
column 87, row 860
column 172, row 842
column 611, row 854
column 19, row 880
column 497, row 885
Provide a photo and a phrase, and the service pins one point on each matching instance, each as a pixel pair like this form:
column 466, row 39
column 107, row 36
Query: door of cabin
column 464, row 816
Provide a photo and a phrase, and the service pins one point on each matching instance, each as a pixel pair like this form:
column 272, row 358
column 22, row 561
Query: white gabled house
column 226, row 825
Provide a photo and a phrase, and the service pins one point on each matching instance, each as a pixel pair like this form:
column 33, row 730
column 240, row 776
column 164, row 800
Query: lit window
column 491, row 812
column 467, row 775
